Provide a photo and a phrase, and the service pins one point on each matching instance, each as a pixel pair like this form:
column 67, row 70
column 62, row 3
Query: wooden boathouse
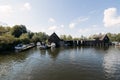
column 98, row 40
column 54, row 39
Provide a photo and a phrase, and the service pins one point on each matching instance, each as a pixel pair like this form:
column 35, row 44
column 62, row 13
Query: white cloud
column 111, row 19
column 72, row 25
column 52, row 28
column 76, row 22
column 62, row 26
column 26, row 6
column 91, row 30
column 5, row 11
column 82, row 19
column 52, row 20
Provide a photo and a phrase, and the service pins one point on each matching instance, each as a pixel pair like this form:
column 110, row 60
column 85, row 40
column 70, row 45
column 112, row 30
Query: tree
column 18, row 30
column 76, row 38
column 25, row 38
column 35, row 38
column 69, row 37
column 7, row 39
column 6, row 42
column 4, row 30
column 30, row 35
column 63, row 37
column 118, row 37
column 41, row 36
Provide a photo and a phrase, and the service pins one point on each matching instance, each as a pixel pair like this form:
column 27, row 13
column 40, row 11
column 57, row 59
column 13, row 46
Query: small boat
column 42, row 47
column 118, row 45
column 38, row 44
column 20, row 47
column 53, row 45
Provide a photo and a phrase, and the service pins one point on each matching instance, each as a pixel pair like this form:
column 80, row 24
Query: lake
column 65, row 63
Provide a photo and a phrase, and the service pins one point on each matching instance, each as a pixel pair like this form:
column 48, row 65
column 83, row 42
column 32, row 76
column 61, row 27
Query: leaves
column 18, row 30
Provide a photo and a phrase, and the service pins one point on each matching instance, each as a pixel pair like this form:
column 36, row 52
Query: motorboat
column 20, row 47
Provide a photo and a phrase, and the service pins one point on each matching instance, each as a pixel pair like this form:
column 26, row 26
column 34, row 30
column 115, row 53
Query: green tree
column 4, row 30
column 76, row 38
column 64, row 37
column 25, row 38
column 69, row 37
column 41, row 36
column 30, row 35
column 18, row 30
column 6, row 42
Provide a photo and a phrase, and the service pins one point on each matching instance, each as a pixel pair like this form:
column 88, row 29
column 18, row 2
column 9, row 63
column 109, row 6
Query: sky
column 70, row 17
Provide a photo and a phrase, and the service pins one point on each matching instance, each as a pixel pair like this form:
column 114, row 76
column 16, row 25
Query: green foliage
column 35, row 38
column 41, row 36
column 6, row 42
column 114, row 37
column 30, row 35
column 76, row 38
column 25, row 38
column 7, row 39
column 69, row 37
column 65, row 37
column 4, row 30
column 10, row 37
column 18, row 30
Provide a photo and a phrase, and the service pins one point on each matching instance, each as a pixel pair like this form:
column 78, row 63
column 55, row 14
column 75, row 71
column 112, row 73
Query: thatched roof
column 100, row 37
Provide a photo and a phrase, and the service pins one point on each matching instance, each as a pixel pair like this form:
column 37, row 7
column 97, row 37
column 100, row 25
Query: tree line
column 112, row 36
column 11, row 36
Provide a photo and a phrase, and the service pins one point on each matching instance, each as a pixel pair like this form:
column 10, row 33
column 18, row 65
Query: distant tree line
column 114, row 37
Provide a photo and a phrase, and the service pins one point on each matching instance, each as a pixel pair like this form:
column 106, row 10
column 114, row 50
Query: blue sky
column 74, row 17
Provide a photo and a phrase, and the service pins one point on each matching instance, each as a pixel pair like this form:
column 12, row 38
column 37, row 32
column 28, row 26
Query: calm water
column 62, row 64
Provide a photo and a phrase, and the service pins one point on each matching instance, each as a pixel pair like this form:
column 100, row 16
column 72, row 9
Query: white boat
column 38, row 44
column 44, row 47
column 20, row 47
column 53, row 45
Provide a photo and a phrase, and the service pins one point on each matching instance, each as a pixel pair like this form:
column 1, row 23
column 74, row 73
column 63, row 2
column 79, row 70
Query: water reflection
column 65, row 63
column 12, row 63
column 54, row 52
column 111, row 64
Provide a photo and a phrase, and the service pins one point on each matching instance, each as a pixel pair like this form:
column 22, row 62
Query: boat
column 43, row 47
column 38, row 44
column 117, row 45
column 53, row 45
column 20, row 47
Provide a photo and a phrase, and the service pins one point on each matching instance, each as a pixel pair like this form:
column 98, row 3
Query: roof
column 54, row 36
column 100, row 37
